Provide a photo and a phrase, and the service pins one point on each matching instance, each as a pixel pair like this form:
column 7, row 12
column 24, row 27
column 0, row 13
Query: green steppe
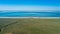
column 29, row 26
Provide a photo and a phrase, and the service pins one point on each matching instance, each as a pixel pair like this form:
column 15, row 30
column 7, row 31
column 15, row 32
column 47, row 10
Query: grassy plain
column 29, row 26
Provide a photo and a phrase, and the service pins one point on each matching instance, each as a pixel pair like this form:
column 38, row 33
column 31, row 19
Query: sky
column 30, row 5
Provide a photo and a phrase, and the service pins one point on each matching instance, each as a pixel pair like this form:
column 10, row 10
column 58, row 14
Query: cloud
column 29, row 8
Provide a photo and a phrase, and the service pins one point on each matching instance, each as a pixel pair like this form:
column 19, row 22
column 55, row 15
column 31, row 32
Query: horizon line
column 29, row 8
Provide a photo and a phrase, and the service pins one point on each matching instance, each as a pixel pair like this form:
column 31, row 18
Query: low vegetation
column 30, row 26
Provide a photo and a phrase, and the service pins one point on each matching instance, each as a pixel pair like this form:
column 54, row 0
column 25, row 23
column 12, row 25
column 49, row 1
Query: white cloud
column 29, row 8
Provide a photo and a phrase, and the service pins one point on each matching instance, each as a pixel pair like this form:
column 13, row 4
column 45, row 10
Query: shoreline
column 34, row 17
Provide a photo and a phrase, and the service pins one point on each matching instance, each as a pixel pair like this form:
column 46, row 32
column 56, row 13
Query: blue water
column 29, row 14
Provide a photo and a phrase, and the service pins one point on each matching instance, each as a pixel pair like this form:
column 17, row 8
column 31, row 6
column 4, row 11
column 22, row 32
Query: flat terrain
column 29, row 26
